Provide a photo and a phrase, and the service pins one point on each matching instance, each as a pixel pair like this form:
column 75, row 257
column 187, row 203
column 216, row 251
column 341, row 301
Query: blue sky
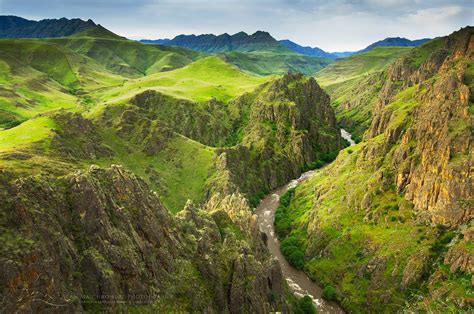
column 337, row 25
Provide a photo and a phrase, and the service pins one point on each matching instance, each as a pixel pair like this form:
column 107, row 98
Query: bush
column 282, row 221
column 296, row 259
column 329, row 293
column 304, row 306
column 285, row 199
column 255, row 199
column 10, row 124
column 328, row 157
column 315, row 165
column 291, row 248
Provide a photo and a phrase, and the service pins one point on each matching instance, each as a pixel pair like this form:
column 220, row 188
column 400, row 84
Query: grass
column 363, row 237
column 27, row 133
column 179, row 171
column 75, row 73
column 359, row 65
column 207, row 78
column 268, row 63
column 126, row 57
column 357, row 79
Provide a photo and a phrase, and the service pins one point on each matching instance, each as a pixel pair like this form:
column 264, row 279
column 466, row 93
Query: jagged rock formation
column 240, row 41
column 279, row 130
column 289, row 124
column 73, row 243
column 431, row 177
column 389, row 223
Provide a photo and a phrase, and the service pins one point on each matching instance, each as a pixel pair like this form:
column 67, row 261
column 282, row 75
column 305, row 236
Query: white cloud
column 332, row 25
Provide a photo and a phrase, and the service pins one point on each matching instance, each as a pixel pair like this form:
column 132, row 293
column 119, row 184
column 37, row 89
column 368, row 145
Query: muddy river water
column 297, row 280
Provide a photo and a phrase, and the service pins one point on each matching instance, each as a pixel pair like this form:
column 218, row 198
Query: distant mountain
column 395, row 41
column 316, row 52
column 223, row 43
column 17, row 27
column 156, row 41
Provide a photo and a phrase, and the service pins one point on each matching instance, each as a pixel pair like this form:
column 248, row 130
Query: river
column 297, row 280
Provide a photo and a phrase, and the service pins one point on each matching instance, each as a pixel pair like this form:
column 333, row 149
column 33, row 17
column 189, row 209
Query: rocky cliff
column 288, row 126
column 389, row 223
column 101, row 240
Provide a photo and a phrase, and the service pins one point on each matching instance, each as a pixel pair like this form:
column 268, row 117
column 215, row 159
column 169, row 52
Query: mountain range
column 263, row 41
column 17, row 27
column 395, row 42
column 241, row 41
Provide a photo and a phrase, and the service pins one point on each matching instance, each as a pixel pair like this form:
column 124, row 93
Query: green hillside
column 210, row 77
column 353, row 84
column 368, row 226
column 126, row 57
column 269, row 63
column 42, row 76
column 358, row 65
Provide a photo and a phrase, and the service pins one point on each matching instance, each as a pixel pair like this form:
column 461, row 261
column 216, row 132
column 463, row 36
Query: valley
column 232, row 173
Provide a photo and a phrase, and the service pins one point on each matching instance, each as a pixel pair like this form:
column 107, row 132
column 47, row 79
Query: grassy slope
column 355, row 66
column 183, row 167
column 129, row 58
column 26, row 134
column 268, row 63
column 38, row 76
column 356, row 80
column 210, row 77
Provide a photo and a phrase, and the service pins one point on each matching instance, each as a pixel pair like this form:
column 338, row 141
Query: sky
column 337, row 25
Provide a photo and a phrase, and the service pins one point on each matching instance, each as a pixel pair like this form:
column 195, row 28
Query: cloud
column 332, row 25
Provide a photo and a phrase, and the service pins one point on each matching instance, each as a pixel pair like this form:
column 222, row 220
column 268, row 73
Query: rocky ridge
column 75, row 241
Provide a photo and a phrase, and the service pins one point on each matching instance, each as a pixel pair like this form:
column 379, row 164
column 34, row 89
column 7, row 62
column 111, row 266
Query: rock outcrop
column 101, row 240
column 290, row 125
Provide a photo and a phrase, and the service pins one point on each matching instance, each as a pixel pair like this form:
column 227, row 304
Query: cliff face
column 389, row 223
column 91, row 238
column 432, row 164
column 209, row 123
column 289, row 126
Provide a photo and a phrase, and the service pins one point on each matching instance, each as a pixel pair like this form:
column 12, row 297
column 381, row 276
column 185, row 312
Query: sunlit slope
column 359, row 65
column 207, row 78
column 59, row 142
column 37, row 76
column 126, row 57
column 353, row 84
column 270, row 63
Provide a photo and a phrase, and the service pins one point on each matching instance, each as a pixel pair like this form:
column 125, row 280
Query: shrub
column 304, row 306
column 285, row 199
column 282, row 221
column 329, row 293
column 296, row 259
column 328, row 157
column 291, row 248
column 255, row 199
